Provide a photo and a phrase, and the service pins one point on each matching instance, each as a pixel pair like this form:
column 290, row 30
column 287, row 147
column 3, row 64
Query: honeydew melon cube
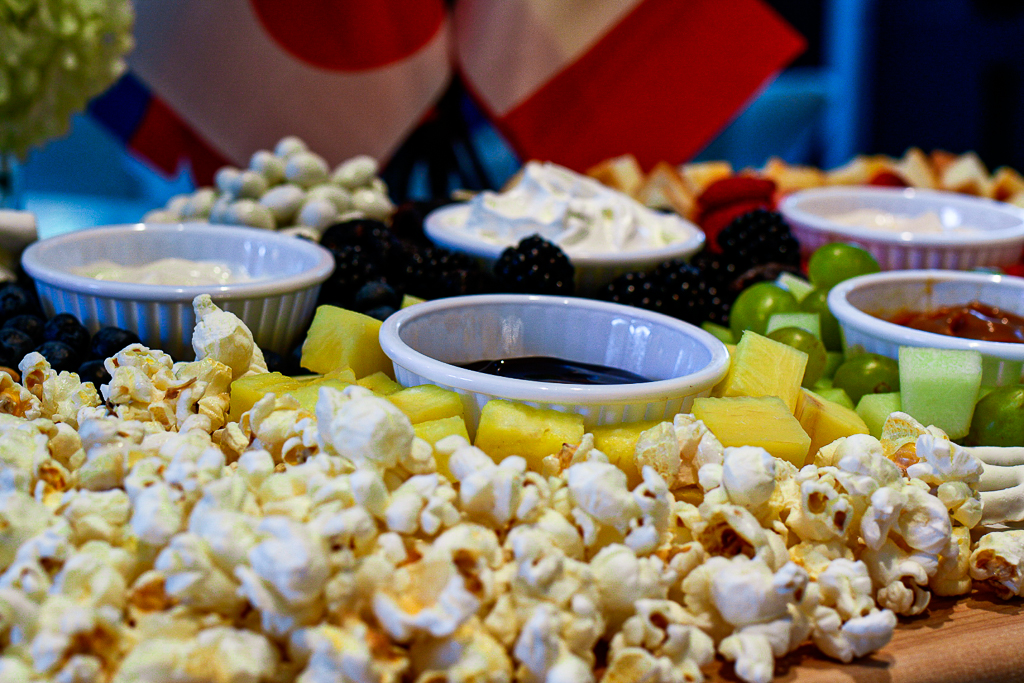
column 618, row 442
column 723, row 334
column 833, row 359
column 940, row 387
column 380, row 384
column 764, row 367
column 825, row 421
column 836, row 395
column 805, row 321
column 339, row 338
column 797, row 286
column 764, row 421
column 428, row 402
column 508, row 428
column 875, row 409
column 433, row 431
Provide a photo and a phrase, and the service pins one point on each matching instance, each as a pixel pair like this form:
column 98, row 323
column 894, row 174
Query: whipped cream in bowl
column 603, row 232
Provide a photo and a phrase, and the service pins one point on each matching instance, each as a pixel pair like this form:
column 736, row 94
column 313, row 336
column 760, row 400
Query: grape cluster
column 62, row 340
column 755, row 247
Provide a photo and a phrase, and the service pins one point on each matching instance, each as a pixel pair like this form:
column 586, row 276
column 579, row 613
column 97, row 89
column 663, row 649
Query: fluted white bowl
column 276, row 304
column 997, row 240
column 427, row 341
column 861, row 305
column 592, row 270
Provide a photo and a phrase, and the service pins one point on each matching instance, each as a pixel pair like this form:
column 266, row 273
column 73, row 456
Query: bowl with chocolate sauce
column 610, row 363
column 941, row 309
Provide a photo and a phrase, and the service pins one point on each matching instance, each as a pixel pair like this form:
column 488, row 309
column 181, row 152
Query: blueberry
column 375, row 294
column 60, row 356
column 14, row 300
column 109, row 340
column 381, row 312
column 65, row 328
column 30, row 324
column 93, row 371
column 15, row 344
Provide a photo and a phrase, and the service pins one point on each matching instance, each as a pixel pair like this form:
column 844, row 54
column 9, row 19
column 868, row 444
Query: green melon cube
column 797, row 286
column 805, row 321
column 940, row 387
column 836, row 395
column 875, row 409
column 723, row 334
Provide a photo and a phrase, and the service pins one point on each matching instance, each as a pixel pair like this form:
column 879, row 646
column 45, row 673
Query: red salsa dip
column 975, row 320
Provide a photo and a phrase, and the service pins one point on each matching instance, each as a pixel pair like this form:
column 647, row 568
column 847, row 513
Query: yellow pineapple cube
column 410, row 300
column 380, row 384
column 618, row 442
column 339, row 338
column 825, row 421
column 428, row 402
column 764, row 367
column 763, row 421
column 308, row 393
column 508, row 428
column 245, row 391
column 433, row 431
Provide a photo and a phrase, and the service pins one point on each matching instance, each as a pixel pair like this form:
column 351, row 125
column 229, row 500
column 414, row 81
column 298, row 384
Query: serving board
column 977, row 639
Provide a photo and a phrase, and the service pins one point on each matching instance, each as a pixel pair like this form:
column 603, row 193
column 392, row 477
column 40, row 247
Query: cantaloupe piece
column 618, row 442
column 875, row 409
column 508, row 428
column 825, row 421
column 433, row 431
column 940, row 387
column 428, row 402
column 339, row 338
column 764, row 421
column 380, row 384
column 245, row 391
column 764, row 367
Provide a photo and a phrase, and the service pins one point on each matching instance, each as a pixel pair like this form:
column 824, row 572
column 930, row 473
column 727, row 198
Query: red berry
column 715, row 220
column 888, row 179
column 737, row 188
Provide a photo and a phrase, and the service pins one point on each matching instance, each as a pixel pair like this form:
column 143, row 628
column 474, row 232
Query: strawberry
column 887, row 179
column 1016, row 269
column 737, row 188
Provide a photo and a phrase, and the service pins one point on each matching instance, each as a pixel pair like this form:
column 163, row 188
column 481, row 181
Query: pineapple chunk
column 338, row 338
column 764, row 367
column 428, row 402
column 380, row 384
column 308, row 393
column 825, row 421
column 245, row 391
column 433, row 431
column 764, row 421
column 410, row 300
column 618, row 442
column 508, row 428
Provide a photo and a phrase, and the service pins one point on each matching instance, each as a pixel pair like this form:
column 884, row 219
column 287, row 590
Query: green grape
column 817, row 302
column 755, row 305
column 803, row 340
column 867, row 373
column 998, row 419
column 833, row 263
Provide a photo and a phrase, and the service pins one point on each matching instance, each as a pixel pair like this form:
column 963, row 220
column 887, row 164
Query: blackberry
column 369, row 236
column 407, row 221
column 108, row 341
column 717, row 268
column 535, row 266
column 759, row 236
column 352, row 269
column 65, row 328
column 643, row 290
column 433, row 272
column 374, row 294
column 695, row 297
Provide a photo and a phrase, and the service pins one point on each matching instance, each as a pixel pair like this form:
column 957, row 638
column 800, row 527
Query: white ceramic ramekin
column 276, row 305
column 858, row 302
column 997, row 240
column 593, row 271
column 425, row 342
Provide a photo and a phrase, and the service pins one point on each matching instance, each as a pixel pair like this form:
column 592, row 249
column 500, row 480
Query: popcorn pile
column 291, row 189
column 144, row 538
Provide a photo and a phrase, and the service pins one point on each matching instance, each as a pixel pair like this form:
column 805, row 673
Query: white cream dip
column 175, row 272
column 575, row 212
column 875, row 219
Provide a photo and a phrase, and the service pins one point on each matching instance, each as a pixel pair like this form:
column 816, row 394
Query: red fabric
column 350, row 35
column 659, row 85
column 165, row 141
